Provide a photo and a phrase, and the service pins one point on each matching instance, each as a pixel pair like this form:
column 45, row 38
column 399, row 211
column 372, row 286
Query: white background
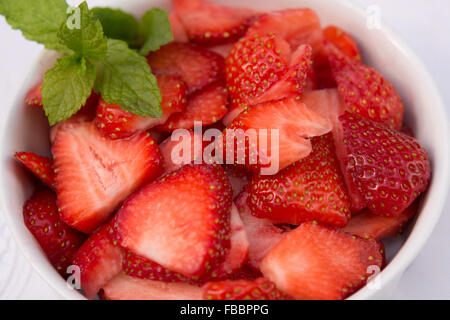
column 424, row 24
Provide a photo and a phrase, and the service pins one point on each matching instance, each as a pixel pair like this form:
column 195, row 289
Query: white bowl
column 25, row 129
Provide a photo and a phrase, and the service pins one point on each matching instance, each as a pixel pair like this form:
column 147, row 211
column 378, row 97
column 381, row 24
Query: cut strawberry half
column 57, row 240
column 253, row 135
column 41, row 167
column 259, row 289
column 178, row 31
column 294, row 82
column 254, row 65
column 343, row 41
column 116, row 123
column 195, row 65
column 296, row 26
column 99, row 260
column 34, row 96
column 125, row 287
column 140, row 267
column 311, row 189
column 333, row 264
column 262, row 234
column 368, row 225
column 95, row 174
column 239, row 178
column 181, row 221
column 365, row 91
column 209, row 23
column 385, row 169
column 207, row 106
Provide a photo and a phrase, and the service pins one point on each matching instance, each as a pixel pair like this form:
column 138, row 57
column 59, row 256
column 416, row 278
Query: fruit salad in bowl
column 212, row 152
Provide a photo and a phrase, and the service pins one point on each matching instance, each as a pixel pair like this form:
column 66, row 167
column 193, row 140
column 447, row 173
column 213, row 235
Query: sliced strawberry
column 125, row 287
column 326, row 102
column 207, row 106
column 315, row 262
column 365, row 91
column 293, row 82
column 262, row 235
column 387, row 168
column 368, row 225
column 239, row 178
column 34, row 96
column 41, row 167
column 234, row 111
column 173, row 150
column 209, row 23
column 140, row 267
column 95, row 174
column 181, row 221
column 117, row 123
column 311, row 189
column 296, row 26
column 178, row 30
column 254, row 65
column 343, row 41
column 99, row 260
column 57, row 240
column 295, row 123
column 259, row 289
column 196, row 66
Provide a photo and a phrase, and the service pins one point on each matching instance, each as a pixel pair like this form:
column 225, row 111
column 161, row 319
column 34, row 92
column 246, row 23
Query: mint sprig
column 126, row 80
column 93, row 61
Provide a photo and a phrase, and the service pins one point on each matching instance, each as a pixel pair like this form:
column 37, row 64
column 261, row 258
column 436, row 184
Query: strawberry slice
column 333, row 264
column 343, row 41
column 209, row 23
column 208, row 106
column 181, row 221
column 173, row 150
column 140, row 267
column 223, row 49
column 294, row 82
column 99, row 260
column 195, row 65
column 125, row 287
column 326, row 102
column 178, row 31
column 365, row 91
column 262, row 235
column 296, row 26
column 254, row 65
column 239, row 178
column 259, row 289
column 117, row 123
column 34, row 96
column 95, row 174
column 368, row 225
column 57, row 240
column 311, row 189
column 295, row 123
column 385, row 169
column 41, row 167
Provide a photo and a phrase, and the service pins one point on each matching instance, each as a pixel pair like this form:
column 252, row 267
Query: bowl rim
column 403, row 258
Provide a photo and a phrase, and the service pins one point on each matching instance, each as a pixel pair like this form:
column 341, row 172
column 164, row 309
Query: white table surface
column 424, row 24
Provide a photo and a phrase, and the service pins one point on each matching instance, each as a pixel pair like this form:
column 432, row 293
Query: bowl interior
column 425, row 114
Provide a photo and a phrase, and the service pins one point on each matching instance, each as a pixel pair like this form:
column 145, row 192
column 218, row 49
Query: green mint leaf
column 155, row 28
column 118, row 24
column 126, row 80
column 66, row 87
column 39, row 20
column 83, row 33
